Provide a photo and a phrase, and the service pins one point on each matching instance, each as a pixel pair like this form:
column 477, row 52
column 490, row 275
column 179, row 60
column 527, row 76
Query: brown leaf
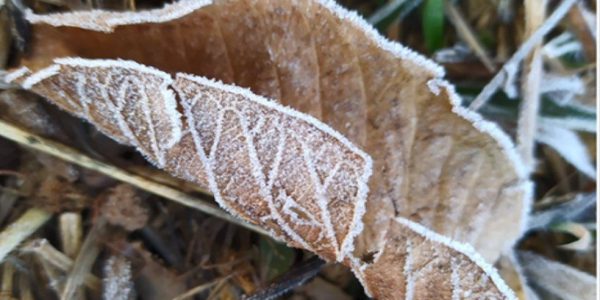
column 423, row 265
column 434, row 163
column 264, row 162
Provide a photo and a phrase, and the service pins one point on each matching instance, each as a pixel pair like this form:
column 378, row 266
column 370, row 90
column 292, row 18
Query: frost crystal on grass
column 117, row 284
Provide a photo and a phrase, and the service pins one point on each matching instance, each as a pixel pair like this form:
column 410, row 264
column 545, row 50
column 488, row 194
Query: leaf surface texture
column 435, row 166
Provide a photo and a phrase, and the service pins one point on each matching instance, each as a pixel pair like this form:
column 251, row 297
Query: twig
column 293, row 279
column 511, row 66
column 215, row 292
column 71, row 155
column 466, row 32
column 167, row 250
column 21, row 229
column 535, row 11
column 53, row 275
column 86, row 257
column 201, row 288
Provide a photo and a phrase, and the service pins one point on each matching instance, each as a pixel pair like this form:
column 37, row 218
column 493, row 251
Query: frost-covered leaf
column 561, row 280
column 572, row 123
column 268, row 164
column 561, row 45
column 568, row 144
column 420, row 264
column 573, row 210
column 434, row 163
column 512, row 273
column 562, row 89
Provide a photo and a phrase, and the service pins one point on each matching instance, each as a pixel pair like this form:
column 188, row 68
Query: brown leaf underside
column 431, row 165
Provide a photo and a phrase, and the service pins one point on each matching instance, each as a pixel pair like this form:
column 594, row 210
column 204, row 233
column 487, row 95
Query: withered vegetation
column 82, row 216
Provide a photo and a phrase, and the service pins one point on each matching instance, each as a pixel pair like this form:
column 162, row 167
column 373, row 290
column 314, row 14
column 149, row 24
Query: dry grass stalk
column 58, row 260
column 561, row 280
column 200, row 288
column 215, row 292
column 83, row 263
column 71, row 155
column 468, row 35
column 583, row 31
column 535, row 13
column 25, row 290
column 584, row 236
column 385, row 11
column 8, row 276
column 21, row 229
column 54, row 277
column 510, row 68
column 71, row 232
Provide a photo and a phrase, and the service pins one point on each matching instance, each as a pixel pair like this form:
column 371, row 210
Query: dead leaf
column 263, row 162
column 434, row 162
column 420, row 264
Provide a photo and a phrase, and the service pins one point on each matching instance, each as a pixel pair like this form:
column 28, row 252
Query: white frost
column 363, row 189
column 464, row 249
column 455, row 279
column 18, row 73
column 568, row 144
column 101, row 20
column 104, row 21
column 501, row 138
column 576, row 124
column 40, row 75
column 394, row 48
column 408, row 271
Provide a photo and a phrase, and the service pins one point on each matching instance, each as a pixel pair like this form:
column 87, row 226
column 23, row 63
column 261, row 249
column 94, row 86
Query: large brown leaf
column 434, row 163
